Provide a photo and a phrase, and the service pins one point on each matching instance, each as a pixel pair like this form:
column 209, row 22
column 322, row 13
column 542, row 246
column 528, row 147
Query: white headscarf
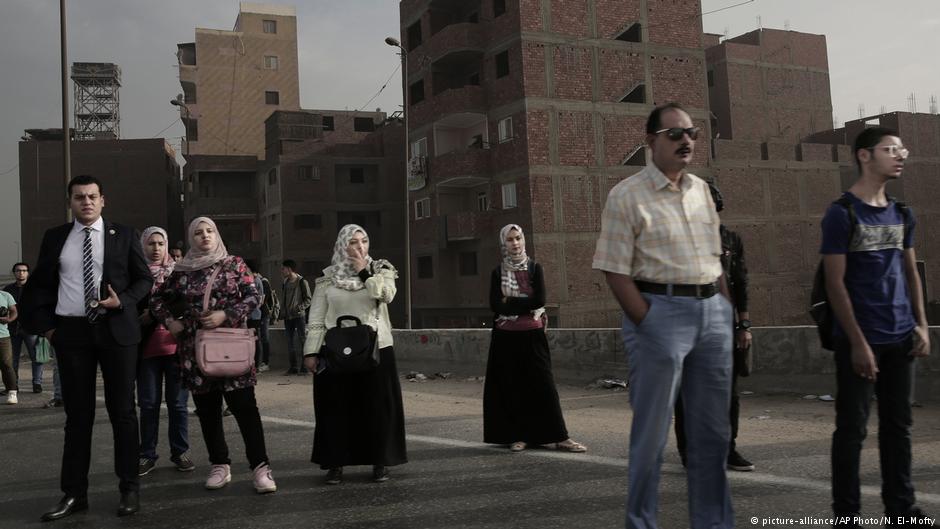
column 160, row 271
column 509, row 266
column 196, row 259
column 341, row 272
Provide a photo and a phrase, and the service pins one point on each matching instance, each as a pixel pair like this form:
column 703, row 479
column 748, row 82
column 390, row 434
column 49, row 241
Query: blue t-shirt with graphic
column 874, row 266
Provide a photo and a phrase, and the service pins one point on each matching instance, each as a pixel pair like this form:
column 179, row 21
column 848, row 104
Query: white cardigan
column 330, row 302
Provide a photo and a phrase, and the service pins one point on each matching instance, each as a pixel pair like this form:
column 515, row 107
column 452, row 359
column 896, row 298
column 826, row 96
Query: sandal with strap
column 569, row 446
column 518, row 446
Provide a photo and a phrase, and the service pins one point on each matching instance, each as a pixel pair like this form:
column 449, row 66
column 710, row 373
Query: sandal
column 569, row 446
column 518, row 446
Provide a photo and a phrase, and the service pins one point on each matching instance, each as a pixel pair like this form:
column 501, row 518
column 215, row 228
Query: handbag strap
column 205, row 298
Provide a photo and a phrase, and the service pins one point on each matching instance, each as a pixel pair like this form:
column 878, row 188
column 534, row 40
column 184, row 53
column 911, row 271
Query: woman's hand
column 175, row 327
column 212, row 320
column 358, row 257
column 310, row 362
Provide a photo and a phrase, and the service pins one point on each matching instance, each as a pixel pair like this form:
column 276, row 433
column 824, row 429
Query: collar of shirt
column 659, row 180
column 98, row 225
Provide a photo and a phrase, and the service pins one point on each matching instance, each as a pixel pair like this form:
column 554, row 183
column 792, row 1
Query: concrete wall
column 786, row 359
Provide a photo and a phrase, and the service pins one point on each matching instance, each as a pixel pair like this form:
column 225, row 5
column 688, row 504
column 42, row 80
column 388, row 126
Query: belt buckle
column 699, row 291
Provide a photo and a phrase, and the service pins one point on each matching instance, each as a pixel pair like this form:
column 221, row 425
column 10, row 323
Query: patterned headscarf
column 509, row 284
column 160, row 271
column 341, row 272
column 196, row 259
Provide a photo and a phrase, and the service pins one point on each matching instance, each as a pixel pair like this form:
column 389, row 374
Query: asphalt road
column 452, row 480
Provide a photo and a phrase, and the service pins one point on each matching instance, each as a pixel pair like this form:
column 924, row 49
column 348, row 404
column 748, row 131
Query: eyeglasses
column 894, row 151
column 675, row 133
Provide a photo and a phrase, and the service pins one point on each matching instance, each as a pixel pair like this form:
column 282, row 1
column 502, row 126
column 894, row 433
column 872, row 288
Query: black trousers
column 245, row 409
column 853, row 398
column 80, row 348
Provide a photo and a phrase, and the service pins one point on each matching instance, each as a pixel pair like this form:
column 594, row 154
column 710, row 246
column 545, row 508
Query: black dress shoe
column 130, row 503
column 67, row 505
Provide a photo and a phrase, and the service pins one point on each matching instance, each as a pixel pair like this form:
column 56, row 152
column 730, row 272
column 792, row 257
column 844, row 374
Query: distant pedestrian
column 256, row 319
column 159, row 370
column 7, row 315
column 297, row 298
column 660, row 249
column 18, row 336
column 270, row 312
column 176, row 253
column 233, row 297
column 520, row 402
column 360, row 419
column 874, row 290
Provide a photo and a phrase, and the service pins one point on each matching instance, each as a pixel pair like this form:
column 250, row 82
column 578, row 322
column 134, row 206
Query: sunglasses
column 894, row 151
column 675, row 133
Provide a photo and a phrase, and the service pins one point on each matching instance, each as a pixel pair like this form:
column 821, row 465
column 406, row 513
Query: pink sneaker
column 264, row 482
column 219, row 476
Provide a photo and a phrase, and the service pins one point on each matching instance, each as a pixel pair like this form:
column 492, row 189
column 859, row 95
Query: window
column 504, row 130
column 468, row 263
column 357, row 175
column 363, row 124
column 269, row 26
column 416, row 93
column 474, row 79
column 414, row 35
column 192, row 130
column 272, row 98
column 425, row 267
column 272, row 176
column 637, row 95
column 483, row 201
column 633, row 33
column 711, row 77
column 270, row 62
column 502, row 64
column 509, row 195
column 420, row 147
column 189, row 92
column 309, row 172
column 422, row 208
column 499, row 7
column 308, row 222
column 328, row 123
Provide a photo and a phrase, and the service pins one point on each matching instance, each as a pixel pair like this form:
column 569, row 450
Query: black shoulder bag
column 351, row 348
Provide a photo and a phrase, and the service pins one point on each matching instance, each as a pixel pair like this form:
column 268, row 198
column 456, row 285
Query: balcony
column 465, row 99
column 465, row 168
column 453, row 39
column 467, row 225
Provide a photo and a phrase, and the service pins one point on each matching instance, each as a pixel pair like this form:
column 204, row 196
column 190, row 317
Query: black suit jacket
column 125, row 269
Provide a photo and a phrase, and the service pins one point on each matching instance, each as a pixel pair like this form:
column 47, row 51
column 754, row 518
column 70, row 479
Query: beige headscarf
column 162, row 270
column 341, row 271
column 509, row 267
column 196, row 259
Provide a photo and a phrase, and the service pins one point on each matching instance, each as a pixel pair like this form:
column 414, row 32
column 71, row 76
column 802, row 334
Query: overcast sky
column 879, row 53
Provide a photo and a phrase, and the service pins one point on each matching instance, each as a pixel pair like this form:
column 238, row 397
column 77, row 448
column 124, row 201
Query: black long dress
column 520, row 402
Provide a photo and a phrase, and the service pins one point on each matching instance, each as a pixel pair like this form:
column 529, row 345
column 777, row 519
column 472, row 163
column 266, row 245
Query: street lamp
column 392, row 41
column 178, row 102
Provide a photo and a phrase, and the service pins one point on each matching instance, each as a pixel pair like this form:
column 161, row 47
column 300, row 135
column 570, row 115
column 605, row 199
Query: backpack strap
column 906, row 214
column 846, row 203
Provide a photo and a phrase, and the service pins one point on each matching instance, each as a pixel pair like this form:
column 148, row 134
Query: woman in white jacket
column 359, row 417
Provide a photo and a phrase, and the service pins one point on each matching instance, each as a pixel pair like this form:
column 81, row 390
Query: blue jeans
column 296, row 333
column 853, row 398
column 682, row 342
column 153, row 373
column 29, row 340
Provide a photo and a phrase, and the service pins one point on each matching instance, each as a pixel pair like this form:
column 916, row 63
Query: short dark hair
column 290, row 263
column 250, row 263
column 20, row 264
column 85, row 180
column 868, row 139
column 654, row 122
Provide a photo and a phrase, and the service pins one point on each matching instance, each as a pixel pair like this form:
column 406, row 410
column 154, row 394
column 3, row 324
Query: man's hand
column 212, row 320
column 310, row 362
column 637, row 318
column 863, row 362
column 743, row 339
column 921, row 342
column 175, row 327
column 112, row 301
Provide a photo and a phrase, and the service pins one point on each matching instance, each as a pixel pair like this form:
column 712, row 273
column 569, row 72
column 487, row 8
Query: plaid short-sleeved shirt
column 654, row 231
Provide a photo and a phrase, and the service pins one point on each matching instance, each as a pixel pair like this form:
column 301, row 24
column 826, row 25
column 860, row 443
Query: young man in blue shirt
column 881, row 326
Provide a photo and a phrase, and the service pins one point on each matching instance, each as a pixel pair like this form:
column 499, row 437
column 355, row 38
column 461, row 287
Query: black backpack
column 819, row 308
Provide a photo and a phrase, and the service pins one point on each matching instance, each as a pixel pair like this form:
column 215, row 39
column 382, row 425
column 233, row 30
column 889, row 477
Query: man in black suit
column 82, row 296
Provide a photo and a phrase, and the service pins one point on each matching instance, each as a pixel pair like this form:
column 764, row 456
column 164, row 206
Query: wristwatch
column 744, row 325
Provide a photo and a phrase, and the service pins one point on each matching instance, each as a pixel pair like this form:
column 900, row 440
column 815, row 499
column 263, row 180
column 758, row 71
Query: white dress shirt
column 71, row 301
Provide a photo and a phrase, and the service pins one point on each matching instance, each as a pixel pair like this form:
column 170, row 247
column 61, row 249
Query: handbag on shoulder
column 224, row 352
column 353, row 348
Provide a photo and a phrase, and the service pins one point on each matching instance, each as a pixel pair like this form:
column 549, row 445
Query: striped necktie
column 88, row 277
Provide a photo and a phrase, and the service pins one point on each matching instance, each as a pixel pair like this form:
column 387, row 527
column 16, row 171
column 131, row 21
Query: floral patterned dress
column 233, row 292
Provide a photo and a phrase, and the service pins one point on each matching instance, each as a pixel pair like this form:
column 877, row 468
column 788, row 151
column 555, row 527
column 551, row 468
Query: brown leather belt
column 691, row 291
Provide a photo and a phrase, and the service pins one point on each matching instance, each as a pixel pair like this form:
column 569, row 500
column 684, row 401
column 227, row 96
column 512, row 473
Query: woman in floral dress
column 233, row 297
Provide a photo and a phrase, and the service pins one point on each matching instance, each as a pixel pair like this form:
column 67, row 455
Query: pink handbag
column 161, row 343
column 224, row 352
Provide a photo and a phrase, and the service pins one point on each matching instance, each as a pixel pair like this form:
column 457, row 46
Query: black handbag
column 351, row 349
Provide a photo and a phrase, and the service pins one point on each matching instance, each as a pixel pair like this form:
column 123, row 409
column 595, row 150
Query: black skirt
column 360, row 419
column 520, row 402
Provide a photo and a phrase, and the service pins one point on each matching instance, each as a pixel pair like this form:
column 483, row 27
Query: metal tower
column 97, row 104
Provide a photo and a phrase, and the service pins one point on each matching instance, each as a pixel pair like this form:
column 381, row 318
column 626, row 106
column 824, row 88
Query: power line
column 166, row 128
column 702, row 14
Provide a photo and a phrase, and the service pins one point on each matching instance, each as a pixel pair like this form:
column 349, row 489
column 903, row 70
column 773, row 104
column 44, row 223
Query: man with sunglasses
column 660, row 250
column 875, row 293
